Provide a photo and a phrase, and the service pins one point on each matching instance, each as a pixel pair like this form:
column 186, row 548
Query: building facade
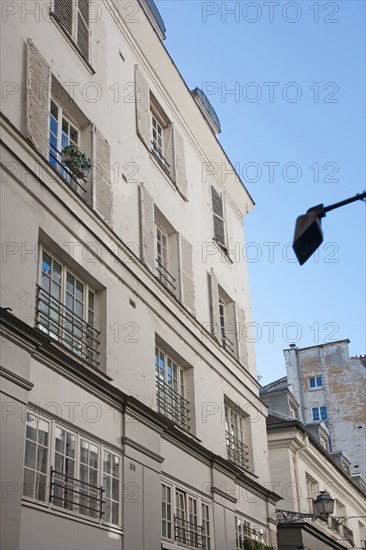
column 131, row 415
column 329, row 386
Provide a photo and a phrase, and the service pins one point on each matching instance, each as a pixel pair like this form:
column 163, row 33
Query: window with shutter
column 218, row 217
column 73, row 16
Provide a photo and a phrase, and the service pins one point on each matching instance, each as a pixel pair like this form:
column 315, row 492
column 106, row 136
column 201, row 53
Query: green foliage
column 78, row 159
column 247, row 544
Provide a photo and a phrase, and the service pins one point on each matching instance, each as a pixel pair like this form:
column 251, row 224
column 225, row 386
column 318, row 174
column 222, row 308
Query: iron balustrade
column 171, row 404
column 61, row 167
column 237, row 451
column 227, row 343
column 348, row 535
column 155, row 149
column 189, row 533
column 75, row 495
column 65, row 326
column 166, row 278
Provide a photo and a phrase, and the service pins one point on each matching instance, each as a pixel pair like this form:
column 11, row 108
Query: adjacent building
column 131, row 415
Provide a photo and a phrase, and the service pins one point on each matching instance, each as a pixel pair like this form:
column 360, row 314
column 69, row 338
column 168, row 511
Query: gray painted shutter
column 241, row 336
column 63, row 10
column 101, row 176
column 218, row 216
column 83, row 27
column 38, row 98
column 147, row 228
column 186, row 274
column 215, row 314
column 142, row 107
column 169, row 149
column 180, row 165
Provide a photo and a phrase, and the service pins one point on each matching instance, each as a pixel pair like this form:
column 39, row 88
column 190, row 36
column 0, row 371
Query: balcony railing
column 157, row 152
column 334, row 524
column 62, row 324
column 76, row 496
column 189, row 533
column 237, row 451
column 65, row 172
column 348, row 535
column 166, row 278
column 172, row 405
column 227, row 343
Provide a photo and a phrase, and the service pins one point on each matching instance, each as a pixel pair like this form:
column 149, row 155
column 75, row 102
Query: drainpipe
column 296, row 468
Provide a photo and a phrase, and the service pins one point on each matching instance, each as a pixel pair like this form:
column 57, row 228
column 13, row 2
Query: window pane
column 31, row 432
column 312, row 382
column 30, row 454
column 42, row 459
column 56, row 272
column 115, row 466
column 60, row 440
column 107, row 462
column 319, row 381
column 28, row 485
column 43, row 432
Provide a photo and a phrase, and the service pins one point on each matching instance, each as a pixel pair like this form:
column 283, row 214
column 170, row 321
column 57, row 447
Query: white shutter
column 180, row 165
column 215, row 313
column 142, row 107
column 101, row 176
column 63, row 10
column 241, row 336
column 169, row 149
column 218, row 216
column 186, row 273
column 83, row 27
column 147, row 228
column 38, row 99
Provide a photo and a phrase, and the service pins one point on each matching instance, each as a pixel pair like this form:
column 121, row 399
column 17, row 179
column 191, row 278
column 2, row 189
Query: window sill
column 224, row 251
column 154, row 157
column 316, row 389
column 44, row 507
column 72, row 43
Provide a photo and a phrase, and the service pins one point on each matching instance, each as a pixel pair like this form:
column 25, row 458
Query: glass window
column 166, row 511
column 111, row 485
column 36, row 457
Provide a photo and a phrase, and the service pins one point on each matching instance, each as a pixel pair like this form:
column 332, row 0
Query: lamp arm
column 321, row 210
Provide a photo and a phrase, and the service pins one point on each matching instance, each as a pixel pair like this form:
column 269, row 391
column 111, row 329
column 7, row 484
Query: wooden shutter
column 180, row 165
column 83, row 27
column 241, row 336
column 63, row 10
column 218, row 216
column 147, row 228
column 38, row 100
column 142, row 107
column 169, row 149
column 215, row 314
column 186, row 273
column 101, row 176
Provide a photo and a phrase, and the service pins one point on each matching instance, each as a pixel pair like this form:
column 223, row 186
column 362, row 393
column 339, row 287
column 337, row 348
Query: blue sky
column 295, row 126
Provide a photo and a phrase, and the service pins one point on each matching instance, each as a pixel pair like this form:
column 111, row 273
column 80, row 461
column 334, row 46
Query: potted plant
column 75, row 160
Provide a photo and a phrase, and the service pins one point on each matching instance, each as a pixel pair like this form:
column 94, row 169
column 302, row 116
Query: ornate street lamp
column 323, row 507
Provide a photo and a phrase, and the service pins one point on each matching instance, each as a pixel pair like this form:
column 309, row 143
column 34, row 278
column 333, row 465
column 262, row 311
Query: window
column 319, row 413
column 170, row 389
column 236, row 449
column 65, row 309
column 161, row 136
column 67, row 470
column 312, row 491
column 191, row 518
column 73, row 16
column 62, row 133
column 162, row 266
column 224, row 313
column 245, row 530
column 315, row 382
column 218, row 217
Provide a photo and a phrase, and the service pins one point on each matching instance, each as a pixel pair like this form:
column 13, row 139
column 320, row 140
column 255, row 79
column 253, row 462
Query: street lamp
column 323, row 507
column 308, row 233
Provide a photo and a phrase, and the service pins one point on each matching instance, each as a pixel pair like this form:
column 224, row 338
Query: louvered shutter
column 147, row 228
column 241, row 336
column 101, row 176
column 142, row 107
column 218, row 216
column 38, row 99
column 180, row 165
column 63, row 10
column 214, row 306
column 169, row 149
column 83, row 27
column 186, row 273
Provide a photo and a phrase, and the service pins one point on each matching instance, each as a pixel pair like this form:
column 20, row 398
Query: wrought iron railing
column 171, row 404
column 64, row 171
column 155, row 149
column 62, row 324
column 227, row 343
column 348, row 535
column 166, row 278
column 334, row 524
column 75, row 495
column 189, row 533
column 236, row 451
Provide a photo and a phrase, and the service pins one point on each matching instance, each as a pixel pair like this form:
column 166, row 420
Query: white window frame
column 318, row 409
column 226, row 342
column 317, row 385
column 159, row 124
column 245, row 529
column 55, row 156
column 51, row 462
column 65, row 322
column 162, row 258
column 235, row 445
column 190, row 507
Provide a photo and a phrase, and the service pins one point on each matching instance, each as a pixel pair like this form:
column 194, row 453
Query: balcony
column 189, row 534
column 66, row 327
column 165, row 277
column 65, row 172
column 227, row 343
column 172, row 405
column 159, row 156
column 237, row 451
column 76, row 496
column 348, row 535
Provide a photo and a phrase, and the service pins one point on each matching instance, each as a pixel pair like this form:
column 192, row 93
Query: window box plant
column 76, row 161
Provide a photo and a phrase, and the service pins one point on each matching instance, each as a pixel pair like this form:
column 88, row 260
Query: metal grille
column 78, row 496
column 64, row 171
column 171, row 404
column 166, row 278
column 188, row 533
column 62, row 324
column 236, row 451
column 227, row 343
column 159, row 155
column 348, row 535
